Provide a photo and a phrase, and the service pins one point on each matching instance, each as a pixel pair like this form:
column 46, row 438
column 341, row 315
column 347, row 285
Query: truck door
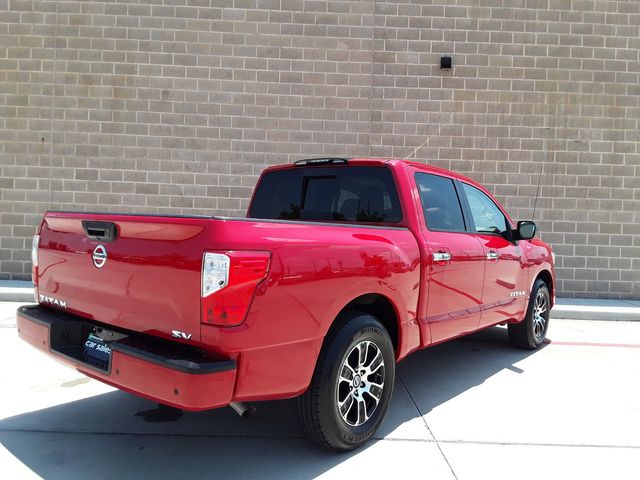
column 505, row 279
column 453, row 260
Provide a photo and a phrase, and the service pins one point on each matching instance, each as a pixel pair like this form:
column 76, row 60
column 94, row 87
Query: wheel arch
column 374, row 304
column 547, row 278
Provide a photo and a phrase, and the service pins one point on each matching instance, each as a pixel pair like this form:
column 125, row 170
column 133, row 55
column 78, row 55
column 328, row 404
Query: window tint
column 440, row 203
column 488, row 218
column 352, row 194
column 318, row 202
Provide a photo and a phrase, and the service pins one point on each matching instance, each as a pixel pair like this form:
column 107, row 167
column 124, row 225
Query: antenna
column 415, row 150
column 535, row 202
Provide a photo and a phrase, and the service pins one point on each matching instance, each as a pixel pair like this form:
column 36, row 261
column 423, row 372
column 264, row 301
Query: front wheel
column 351, row 386
column 531, row 332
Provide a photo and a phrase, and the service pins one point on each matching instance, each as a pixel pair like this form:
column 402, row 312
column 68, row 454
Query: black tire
column 529, row 333
column 317, row 409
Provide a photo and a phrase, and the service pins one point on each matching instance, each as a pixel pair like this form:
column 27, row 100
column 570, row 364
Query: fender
column 543, row 267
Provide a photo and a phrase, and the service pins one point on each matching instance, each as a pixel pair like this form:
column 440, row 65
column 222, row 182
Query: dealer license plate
column 96, row 348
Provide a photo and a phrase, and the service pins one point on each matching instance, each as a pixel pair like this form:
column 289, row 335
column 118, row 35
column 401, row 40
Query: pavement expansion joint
column 435, row 440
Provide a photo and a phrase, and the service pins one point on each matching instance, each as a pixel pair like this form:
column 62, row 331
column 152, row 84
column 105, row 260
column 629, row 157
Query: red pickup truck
column 340, row 269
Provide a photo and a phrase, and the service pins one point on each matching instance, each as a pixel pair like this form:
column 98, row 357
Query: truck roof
column 380, row 162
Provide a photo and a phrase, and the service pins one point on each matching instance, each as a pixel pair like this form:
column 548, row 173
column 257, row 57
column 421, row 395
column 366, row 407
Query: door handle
column 492, row 255
column 441, row 256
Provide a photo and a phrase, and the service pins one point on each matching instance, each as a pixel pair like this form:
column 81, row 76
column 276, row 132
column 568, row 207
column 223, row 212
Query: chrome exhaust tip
column 245, row 410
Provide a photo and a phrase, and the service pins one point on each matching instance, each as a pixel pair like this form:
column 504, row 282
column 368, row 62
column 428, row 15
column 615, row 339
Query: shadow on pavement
column 102, row 437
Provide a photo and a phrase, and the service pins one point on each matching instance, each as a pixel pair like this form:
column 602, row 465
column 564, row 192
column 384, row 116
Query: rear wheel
column 531, row 332
column 351, row 386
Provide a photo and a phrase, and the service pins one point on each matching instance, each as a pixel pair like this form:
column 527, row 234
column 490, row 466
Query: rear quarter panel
column 315, row 271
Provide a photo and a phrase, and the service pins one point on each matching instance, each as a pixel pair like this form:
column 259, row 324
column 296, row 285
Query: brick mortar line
column 372, row 74
column 53, row 103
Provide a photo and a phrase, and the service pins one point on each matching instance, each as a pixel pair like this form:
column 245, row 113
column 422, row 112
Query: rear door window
column 440, row 203
column 349, row 194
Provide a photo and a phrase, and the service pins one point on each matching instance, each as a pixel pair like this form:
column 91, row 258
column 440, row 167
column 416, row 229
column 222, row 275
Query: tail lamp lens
column 229, row 282
column 215, row 273
column 34, row 251
column 35, row 244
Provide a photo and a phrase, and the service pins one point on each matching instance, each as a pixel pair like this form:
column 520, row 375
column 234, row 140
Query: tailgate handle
column 101, row 231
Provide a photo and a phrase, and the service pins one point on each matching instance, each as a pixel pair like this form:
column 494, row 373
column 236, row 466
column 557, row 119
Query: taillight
column 34, row 252
column 35, row 244
column 229, row 281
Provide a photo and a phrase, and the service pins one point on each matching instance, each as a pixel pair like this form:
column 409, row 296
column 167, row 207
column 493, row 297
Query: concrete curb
column 565, row 308
column 596, row 309
column 16, row 291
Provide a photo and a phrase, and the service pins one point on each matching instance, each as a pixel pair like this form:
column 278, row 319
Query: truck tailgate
column 149, row 282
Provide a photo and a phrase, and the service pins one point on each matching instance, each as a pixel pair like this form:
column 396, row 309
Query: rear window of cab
column 355, row 194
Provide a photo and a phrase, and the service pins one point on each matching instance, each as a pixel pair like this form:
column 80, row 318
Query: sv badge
column 182, row 335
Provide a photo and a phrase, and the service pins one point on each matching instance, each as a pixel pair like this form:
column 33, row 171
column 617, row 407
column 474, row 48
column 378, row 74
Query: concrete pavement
column 474, row 408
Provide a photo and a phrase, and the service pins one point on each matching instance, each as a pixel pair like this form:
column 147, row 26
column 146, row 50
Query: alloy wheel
column 540, row 316
column 360, row 383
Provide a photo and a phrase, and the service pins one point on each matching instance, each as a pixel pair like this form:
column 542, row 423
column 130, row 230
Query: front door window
column 487, row 217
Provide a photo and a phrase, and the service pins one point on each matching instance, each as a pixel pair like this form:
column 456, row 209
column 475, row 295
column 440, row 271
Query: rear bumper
column 162, row 371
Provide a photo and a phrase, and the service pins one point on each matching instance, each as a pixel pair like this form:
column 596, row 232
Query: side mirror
column 526, row 230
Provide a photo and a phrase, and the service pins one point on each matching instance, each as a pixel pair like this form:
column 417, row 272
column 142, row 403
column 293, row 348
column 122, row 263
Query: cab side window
column 440, row 203
column 487, row 217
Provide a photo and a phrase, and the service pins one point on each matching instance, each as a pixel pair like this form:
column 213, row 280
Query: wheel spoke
column 362, row 411
column 375, row 363
column 362, row 353
column 347, row 373
column 345, row 405
column 377, row 384
column 375, row 391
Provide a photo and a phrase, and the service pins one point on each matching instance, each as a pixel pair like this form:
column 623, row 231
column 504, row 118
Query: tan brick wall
column 176, row 106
